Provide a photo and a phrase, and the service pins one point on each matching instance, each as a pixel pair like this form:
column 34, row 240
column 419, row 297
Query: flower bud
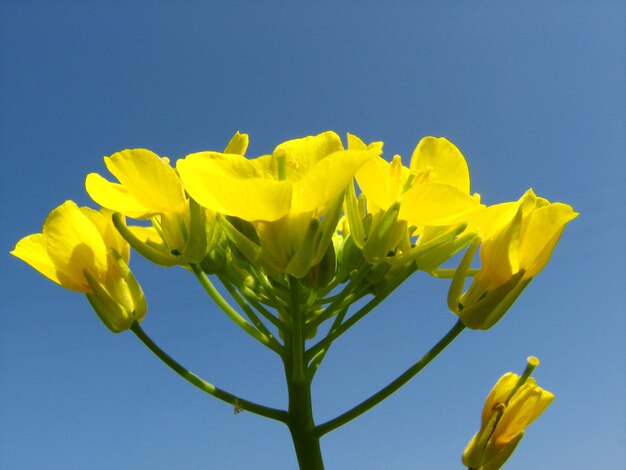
column 512, row 405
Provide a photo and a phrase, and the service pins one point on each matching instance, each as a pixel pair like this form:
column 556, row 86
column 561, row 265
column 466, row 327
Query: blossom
column 290, row 196
column 517, row 242
column 511, row 406
column 149, row 188
column 434, row 190
column 80, row 250
column 412, row 206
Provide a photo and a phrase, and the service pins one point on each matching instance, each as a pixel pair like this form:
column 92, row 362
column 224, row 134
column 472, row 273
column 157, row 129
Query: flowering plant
column 297, row 244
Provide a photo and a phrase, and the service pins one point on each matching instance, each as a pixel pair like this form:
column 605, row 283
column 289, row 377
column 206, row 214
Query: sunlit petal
column 150, row 179
column 116, row 197
column 32, row 250
column 230, row 185
column 435, row 204
column 326, row 179
column 442, row 162
column 302, row 154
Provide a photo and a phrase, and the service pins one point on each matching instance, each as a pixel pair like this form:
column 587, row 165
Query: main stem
column 300, row 422
column 300, row 412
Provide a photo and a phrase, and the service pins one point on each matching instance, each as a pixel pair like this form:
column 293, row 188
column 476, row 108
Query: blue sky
column 533, row 93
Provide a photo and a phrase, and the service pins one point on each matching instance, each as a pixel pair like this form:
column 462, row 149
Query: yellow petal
column 435, row 204
column 325, row 180
column 374, row 179
column 355, row 143
column 147, row 235
column 499, row 254
column 229, row 184
column 540, row 233
column 150, row 180
column 527, row 404
column 442, row 161
column 111, row 237
column 498, row 395
column 32, row 250
column 116, row 197
column 220, row 164
column 74, row 244
column 488, row 220
column 302, row 154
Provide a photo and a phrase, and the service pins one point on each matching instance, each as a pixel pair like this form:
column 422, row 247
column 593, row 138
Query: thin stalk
column 272, row 413
column 342, row 298
column 229, row 310
column 333, row 334
column 393, row 386
column 253, row 298
column 316, row 360
column 277, row 322
column 243, row 304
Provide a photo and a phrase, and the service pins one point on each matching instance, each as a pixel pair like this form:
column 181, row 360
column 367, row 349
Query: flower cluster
column 316, row 231
column 297, row 213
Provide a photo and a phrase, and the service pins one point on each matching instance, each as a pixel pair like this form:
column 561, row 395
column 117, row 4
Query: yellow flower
column 517, row 241
column 149, row 188
column 512, row 405
column 434, row 191
column 281, row 194
column 427, row 200
column 80, row 250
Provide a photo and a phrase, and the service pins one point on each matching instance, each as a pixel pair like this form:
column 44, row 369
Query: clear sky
column 533, row 93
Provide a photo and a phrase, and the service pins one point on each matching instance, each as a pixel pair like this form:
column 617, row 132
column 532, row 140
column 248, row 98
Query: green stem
column 300, row 422
column 253, row 298
column 393, row 386
column 230, row 311
column 297, row 342
column 316, row 360
column 278, row 415
column 156, row 256
column 334, row 333
column 342, row 299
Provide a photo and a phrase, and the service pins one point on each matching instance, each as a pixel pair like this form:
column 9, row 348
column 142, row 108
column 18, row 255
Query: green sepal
column 322, row 273
column 147, row 251
column 242, row 243
column 136, row 292
column 214, row 261
column 377, row 273
column 245, row 244
column 431, row 254
column 351, row 254
column 490, row 307
column 301, row 262
column 200, row 233
column 474, row 455
column 355, row 216
column 460, row 275
column 114, row 315
column 495, row 460
column 378, row 240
